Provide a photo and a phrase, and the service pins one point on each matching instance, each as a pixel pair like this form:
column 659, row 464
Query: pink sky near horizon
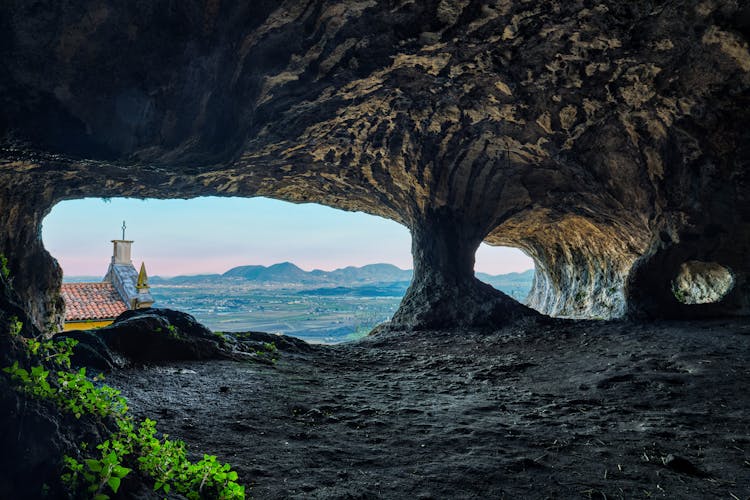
column 212, row 235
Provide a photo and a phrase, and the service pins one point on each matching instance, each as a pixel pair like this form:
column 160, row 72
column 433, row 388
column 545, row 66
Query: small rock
column 223, row 388
column 683, row 466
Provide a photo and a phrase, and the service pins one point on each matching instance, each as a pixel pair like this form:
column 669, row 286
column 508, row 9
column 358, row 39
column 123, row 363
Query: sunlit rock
column 702, row 282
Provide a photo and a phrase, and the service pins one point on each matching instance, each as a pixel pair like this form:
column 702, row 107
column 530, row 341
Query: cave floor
column 562, row 410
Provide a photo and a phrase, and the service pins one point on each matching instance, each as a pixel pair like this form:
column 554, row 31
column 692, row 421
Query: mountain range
column 287, row 272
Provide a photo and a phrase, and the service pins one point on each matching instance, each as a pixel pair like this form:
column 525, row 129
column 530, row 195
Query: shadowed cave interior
column 607, row 140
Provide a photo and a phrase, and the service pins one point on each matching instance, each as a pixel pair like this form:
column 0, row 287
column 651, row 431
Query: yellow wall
column 86, row 325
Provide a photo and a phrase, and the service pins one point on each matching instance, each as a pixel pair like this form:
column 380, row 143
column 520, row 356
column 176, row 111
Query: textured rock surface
column 34, row 433
column 702, row 282
column 35, row 436
column 565, row 410
column 607, row 139
column 154, row 335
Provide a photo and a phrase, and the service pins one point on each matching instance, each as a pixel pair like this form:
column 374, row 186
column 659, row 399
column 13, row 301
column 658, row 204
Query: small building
column 93, row 305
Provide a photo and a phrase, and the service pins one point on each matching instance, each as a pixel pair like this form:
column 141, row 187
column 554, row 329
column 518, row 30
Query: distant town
column 317, row 306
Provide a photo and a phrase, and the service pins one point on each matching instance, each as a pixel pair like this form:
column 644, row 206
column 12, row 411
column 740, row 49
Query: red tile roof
column 91, row 301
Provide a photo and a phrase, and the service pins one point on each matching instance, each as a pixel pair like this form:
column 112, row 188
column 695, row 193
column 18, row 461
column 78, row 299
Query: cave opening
column 241, row 264
column 238, row 264
column 699, row 282
column 507, row 269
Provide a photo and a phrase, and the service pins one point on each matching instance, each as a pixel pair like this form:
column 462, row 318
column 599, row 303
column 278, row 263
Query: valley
column 318, row 306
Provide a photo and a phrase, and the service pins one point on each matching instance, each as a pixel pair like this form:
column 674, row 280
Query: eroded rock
column 702, row 282
column 602, row 139
column 155, row 335
column 444, row 291
column 147, row 335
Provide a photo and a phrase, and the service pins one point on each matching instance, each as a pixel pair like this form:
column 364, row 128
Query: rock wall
column 607, row 139
column 34, row 276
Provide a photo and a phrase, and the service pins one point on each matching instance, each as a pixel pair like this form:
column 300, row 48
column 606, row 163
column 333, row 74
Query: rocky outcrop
column 608, row 140
column 155, row 335
column 146, row 336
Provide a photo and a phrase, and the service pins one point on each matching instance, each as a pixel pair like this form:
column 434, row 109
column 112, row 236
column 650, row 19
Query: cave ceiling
column 580, row 131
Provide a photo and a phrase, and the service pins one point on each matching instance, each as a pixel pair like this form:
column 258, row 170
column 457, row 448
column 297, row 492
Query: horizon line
column 287, row 262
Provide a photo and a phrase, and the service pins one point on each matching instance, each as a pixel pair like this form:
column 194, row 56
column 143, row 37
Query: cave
column 596, row 185
column 609, row 141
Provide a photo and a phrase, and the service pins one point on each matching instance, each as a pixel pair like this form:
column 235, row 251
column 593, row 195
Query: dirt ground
column 562, row 410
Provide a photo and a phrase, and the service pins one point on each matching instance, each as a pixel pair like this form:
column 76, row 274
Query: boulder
column 147, row 336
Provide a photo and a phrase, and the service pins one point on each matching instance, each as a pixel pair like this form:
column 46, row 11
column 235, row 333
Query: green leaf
column 120, row 471
column 93, row 465
column 114, row 483
column 166, row 488
column 101, row 496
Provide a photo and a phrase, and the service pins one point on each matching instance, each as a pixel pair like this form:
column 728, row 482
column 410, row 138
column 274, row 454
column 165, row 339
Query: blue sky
column 211, row 235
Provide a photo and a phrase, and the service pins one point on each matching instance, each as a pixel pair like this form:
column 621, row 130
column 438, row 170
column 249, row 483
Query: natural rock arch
column 592, row 136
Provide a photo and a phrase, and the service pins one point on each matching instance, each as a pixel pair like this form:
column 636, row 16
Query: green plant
column 4, row 270
column 15, row 326
column 166, row 461
column 268, row 352
column 57, row 352
column 131, row 446
column 270, row 347
column 97, row 474
column 173, row 331
column 72, row 392
column 163, row 460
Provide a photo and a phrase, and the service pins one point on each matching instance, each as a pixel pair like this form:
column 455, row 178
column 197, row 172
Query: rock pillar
column 444, row 292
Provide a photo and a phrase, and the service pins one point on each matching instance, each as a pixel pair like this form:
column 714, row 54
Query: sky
column 212, row 235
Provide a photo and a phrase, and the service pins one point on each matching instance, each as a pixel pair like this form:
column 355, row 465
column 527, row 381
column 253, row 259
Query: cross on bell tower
column 121, row 251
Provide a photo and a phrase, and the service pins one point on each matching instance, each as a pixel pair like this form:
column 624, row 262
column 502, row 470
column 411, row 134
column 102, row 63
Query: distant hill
column 372, row 273
column 507, row 280
column 285, row 272
column 382, row 279
column 185, row 280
